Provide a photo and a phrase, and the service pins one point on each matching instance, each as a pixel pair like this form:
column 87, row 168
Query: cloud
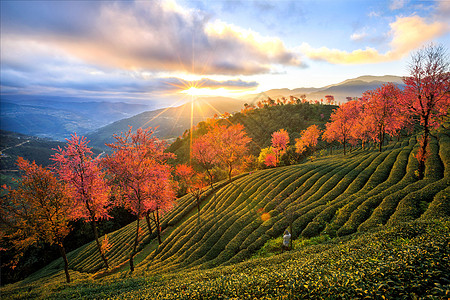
column 397, row 4
column 153, row 36
column 358, row 36
column 174, row 83
column 373, row 14
column 408, row 33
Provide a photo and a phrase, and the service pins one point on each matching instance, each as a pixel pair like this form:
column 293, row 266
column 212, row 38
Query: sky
column 153, row 51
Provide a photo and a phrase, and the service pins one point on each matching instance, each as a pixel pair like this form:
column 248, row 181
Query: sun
column 193, row 91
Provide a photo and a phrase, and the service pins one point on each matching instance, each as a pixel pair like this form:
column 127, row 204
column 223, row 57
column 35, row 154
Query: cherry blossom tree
column 204, row 153
column 37, row 210
column 382, row 112
column 221, row 146
column 85, row 181
column 342, row 120
column 308, row 139
column 280, row 141
column 426, row 95
column 232, row 146
column 140, row 176
column 195, row 183
column 362, row 130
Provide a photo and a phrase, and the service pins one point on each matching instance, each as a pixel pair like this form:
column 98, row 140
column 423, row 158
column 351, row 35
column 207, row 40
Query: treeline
column 259, row 123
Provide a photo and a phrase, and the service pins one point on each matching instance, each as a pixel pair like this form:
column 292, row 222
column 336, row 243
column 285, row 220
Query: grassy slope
column 334, row 195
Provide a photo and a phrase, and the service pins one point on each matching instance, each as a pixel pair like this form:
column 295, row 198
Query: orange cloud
column 408, row 33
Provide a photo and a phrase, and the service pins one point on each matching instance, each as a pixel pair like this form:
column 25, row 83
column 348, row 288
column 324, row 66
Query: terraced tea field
column 335, row 196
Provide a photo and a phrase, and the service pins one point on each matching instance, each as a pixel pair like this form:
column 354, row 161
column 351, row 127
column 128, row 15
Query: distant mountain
column 170, row 122
column 58, row 119
column 348, row 88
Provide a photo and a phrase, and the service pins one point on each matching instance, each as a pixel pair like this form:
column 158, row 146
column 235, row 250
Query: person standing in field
column 286, row 239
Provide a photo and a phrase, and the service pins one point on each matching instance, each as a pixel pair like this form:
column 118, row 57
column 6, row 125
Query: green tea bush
column 409, row 207
column 440, row 206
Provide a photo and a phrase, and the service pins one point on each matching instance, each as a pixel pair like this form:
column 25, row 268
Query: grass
column 335, row 202
column 410, row 260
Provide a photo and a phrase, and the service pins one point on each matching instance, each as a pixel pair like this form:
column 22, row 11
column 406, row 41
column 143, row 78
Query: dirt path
column 18, row 145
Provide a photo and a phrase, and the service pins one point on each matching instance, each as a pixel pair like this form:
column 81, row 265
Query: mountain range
column 347, row 88
column 99, row 120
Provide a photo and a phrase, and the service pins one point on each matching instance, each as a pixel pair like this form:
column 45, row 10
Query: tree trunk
column 66, row 262
column 99, row 247
column 344, row 147
column 381, row 136
column 158, row 231
column 147, row 218
column 136, row 241
column 210, row 175
column 424, row 151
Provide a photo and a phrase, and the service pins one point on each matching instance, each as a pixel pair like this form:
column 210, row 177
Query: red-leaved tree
column 204, row 153
column 342, row 120
column 141, row 177
column 85, row 181
column 382, row 112
column 308, row 139
column 194, row 182
column 37, row 210
column 427, row 92
column 223, row 146
column 280, row 141
column 231, row 144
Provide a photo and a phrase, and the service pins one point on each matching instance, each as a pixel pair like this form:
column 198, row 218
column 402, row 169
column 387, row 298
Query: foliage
column 382, row 113
column 341, row 123
column 308, row 139
column 140, row 175
column 195, row 183
column 222, row 145
column 280, row 141
column 260, row 123
column 407, row 261
column 85, row 181
column 37, row 210
column 426, row 95
column 76, row 166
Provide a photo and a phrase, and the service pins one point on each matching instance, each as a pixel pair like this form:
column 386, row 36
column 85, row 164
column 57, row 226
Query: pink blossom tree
column 426, row 95
column 194, row 182
column 382, row 112
column 85, row 181
column 342, row 120
column 204, row 153
column 308, row 139
column 280, row 141
column 141, row 177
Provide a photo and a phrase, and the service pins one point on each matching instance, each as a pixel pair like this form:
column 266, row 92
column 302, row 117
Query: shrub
column 440, row 206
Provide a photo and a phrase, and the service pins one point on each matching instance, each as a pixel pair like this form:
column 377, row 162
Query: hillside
column 259, row 125
column 58, row 118
column 171, row 121
column 32, row 148
column 339, row 197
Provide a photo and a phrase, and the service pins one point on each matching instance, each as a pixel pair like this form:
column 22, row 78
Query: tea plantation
column 382, row 234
